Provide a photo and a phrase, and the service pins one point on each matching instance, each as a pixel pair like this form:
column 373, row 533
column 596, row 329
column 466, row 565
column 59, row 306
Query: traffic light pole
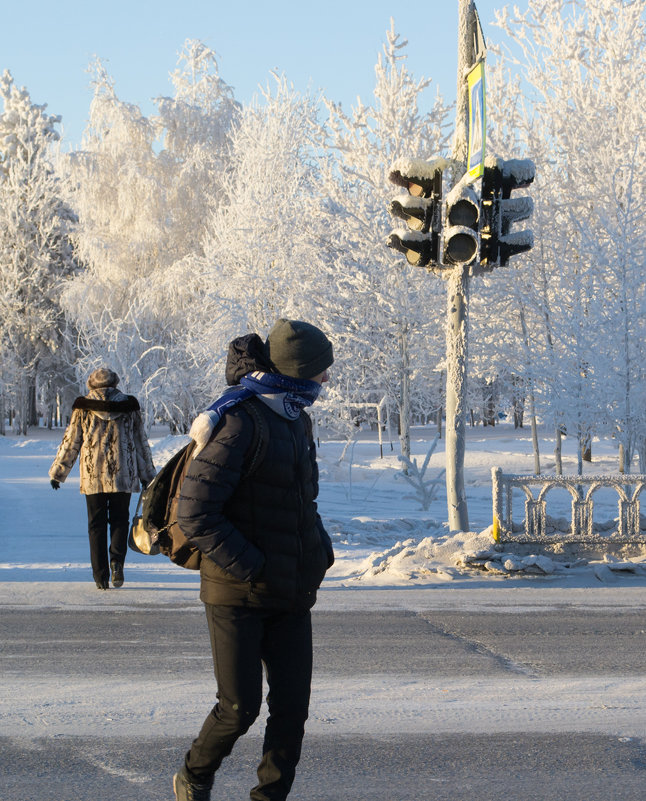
column 467, row 234
column 456, row 380
column 458, row 300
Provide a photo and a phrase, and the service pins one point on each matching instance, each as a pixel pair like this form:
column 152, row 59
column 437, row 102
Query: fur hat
column 103, row 377
column 298, row 349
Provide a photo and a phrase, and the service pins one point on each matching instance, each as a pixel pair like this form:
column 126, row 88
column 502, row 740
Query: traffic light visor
column 420, row 250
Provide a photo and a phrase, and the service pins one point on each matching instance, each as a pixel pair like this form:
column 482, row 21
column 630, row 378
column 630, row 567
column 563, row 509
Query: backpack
column 156, row 530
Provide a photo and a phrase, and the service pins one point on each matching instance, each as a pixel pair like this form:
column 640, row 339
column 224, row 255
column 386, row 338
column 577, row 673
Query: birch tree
column 391, row 331
column 143, row 188
column 35, row 253
column 581, row 61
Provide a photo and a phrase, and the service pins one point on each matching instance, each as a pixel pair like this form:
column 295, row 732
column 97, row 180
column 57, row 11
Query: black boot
column 102, row 584
column 117, row 574
column 188, row 790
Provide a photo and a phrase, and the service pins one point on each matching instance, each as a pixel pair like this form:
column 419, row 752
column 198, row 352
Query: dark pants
column 104, row 508
column 242, row 641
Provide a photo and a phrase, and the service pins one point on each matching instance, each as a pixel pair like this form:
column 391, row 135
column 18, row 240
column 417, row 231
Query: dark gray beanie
column 103, row 377
column 298, row 350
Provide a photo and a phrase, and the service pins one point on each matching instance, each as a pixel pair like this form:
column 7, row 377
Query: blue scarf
column 284, row 395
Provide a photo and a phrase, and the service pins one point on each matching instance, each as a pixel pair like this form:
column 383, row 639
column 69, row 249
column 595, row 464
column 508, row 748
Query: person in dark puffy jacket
column 107, row 432
column 249, row 503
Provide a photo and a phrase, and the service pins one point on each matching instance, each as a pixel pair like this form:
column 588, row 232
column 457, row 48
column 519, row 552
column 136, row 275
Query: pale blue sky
column 330, row 45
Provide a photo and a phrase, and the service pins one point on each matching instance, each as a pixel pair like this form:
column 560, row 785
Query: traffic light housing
column 499, row 211
column 420, row 208
column 461, row 232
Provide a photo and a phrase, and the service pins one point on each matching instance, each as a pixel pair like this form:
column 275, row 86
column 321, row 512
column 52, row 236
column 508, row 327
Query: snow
column 391, row 555
column 522, row 171
column 404, row 169
column 382, row 536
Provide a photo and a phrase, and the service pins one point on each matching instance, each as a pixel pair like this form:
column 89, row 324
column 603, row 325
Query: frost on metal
column 538, row 527
column 415, row 168
column 463, row 188
column 409, row 236
column 521, row 207
column 519, row 238
column 521, row 170
column 411, row 202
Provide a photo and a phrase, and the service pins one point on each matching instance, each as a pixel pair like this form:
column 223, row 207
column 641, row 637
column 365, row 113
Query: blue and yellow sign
column 477, row 121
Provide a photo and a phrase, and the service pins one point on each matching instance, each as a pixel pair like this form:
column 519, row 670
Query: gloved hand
column 143, row 483
column 55, row 484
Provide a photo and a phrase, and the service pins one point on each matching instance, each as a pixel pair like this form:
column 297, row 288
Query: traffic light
column 499, row 210
column 421, row 208
column 461, row 234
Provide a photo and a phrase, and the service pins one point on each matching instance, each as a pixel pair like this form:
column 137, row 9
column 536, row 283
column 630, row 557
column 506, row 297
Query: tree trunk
column 641, row 453
column 22, row 412
column 489, row 404
column 537, row 455
column 558, row 450
column 628, row 456
column 518, row 401
column 32, row 408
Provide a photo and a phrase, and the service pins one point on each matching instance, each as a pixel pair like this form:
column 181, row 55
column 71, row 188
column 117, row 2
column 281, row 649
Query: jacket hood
column 246, row 355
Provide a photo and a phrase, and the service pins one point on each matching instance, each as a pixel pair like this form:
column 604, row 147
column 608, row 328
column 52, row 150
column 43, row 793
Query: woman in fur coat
column 107, row 431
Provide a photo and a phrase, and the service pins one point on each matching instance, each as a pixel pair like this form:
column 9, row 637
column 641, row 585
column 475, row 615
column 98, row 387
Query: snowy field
column 391, row 555
column 381, row 535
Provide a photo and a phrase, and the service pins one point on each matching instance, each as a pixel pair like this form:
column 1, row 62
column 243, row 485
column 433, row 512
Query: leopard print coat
column 106, row 431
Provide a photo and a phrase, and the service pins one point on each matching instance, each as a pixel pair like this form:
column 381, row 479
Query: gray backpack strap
column 259, row 449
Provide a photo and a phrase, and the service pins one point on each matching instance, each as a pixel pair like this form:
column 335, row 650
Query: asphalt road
column 474, row 647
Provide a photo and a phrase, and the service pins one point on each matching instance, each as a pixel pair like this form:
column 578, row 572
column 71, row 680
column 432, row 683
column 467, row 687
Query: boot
column 188, row 790
column 102, row 584
column 117, row 574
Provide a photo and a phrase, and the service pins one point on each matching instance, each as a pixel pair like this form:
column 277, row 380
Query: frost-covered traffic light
column 499, row 210
column 421, row 208
column 461, row 235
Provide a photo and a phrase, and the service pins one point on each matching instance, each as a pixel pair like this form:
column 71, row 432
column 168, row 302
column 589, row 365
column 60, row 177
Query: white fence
column 582, row 489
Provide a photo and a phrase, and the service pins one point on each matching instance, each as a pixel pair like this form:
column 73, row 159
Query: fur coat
column 107, row 431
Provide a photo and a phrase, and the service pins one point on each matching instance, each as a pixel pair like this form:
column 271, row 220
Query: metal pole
column 466, row 57
column 458, row 299
column 456, row 377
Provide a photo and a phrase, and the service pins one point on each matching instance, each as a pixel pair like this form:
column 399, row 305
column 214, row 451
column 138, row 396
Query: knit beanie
column 298, row 350
column 103, row 377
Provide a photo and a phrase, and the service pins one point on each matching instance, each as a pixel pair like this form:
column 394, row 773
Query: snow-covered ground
column 382, row 537
column 390, row 555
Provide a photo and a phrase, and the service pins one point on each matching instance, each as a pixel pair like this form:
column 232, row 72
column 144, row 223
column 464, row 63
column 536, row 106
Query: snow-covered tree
column 35, row 254
column 143, row 188
column 260, row 240
column 580, row 60
column 389, row 316
column 261, row 253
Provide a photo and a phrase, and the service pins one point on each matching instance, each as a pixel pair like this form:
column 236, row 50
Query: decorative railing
column 582, row 489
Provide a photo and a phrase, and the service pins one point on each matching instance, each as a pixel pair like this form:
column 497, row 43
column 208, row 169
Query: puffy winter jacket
column 264, row 542
column 107, row 430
